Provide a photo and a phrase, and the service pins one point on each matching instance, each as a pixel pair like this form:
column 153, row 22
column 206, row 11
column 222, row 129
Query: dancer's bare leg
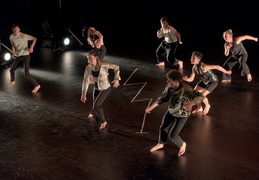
column 207, row 106
column 249, row 78
column 182, row 149
column 103, row 125
column 206, row 110
column 10, row 83
column 158, row 146
column 36, row 89
column 180, row 63
column 160, row 64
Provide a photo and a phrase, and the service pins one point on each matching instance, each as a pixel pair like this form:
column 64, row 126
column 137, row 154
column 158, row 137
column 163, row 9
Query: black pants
column 101, row 51
column 98, row 99
column 166, row 51
column 26, row 65
column 231, row 62
column 173, row 133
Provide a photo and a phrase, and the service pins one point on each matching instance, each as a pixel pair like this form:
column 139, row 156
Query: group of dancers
column 181, row 96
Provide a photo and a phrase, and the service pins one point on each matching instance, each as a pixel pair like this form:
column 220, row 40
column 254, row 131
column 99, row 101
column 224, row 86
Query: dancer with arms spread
column 238, row 54
column 208, row 79
column 21, row 53
column 181, row 99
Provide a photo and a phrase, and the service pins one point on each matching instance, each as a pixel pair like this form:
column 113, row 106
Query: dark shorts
column 209, row 87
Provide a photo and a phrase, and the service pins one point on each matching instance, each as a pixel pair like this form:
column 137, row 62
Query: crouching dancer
column 182, row 98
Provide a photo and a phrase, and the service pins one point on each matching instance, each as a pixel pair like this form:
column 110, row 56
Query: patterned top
column 179, row 97
column 20, row 43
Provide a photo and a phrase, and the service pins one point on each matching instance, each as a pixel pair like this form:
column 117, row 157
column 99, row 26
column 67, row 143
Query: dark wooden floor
column 47, row 135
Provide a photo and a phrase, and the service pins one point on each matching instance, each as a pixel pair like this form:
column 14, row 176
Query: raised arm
column 90, row 42
column 227, row 47
column 160, row 33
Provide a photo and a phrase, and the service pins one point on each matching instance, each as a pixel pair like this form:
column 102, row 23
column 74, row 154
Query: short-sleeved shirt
column 20, row 42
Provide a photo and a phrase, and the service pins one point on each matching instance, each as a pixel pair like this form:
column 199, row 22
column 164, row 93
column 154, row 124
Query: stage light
column 66, row 41
column 7, row 56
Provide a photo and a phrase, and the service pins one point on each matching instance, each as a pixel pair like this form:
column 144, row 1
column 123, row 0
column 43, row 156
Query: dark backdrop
column 133, row 24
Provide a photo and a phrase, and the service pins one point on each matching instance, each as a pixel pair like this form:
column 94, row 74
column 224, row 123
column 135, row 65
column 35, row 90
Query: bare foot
column 90, row 115
column 206, row 110
column 182, row 149
column 180, row 63
column 10, row 83
column 36, row 89
column 197, row 110
column 103, row 125
column 226, row 81
column 249, row 78
column 160, row 64
column 158, row 146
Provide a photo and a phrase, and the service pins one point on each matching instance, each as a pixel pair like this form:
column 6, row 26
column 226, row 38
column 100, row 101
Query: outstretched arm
column 150, row 108
column 245, row 37
column 217, row 67
column 191, row 78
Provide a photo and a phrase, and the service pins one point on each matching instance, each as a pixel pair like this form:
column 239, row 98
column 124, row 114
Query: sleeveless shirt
column 206, row 77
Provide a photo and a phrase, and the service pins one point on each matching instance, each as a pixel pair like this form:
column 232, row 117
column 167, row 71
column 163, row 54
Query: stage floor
column 48, row 135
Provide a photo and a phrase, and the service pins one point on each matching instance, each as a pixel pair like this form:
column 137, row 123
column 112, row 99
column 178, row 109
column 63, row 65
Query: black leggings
column 26, row 65
column 101, row 51
column 98, row 99
column 174, row 131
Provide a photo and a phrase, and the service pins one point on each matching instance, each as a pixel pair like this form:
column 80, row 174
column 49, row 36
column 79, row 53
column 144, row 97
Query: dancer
column 96, row 72
column 95, row 40
column 21, row 53
column 167, row 48
column 208, row 82
column 233, row 45
column 182, row 97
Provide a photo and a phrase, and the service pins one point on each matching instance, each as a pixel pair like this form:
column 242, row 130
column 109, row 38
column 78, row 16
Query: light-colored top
column 20, row 43
column 103, row 80
column 169, row 34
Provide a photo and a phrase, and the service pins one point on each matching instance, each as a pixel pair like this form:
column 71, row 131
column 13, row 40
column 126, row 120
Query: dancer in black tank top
column 238, row 53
